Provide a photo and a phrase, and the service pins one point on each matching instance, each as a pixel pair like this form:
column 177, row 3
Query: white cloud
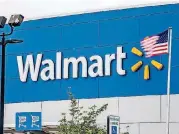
column 32, row 9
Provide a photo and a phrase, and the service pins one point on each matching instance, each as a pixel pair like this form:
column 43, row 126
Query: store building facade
column 91, row 55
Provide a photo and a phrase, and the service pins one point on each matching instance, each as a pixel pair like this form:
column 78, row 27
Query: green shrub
column 82, row 121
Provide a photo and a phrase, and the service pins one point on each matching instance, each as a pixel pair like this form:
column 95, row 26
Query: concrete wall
column 143, row 114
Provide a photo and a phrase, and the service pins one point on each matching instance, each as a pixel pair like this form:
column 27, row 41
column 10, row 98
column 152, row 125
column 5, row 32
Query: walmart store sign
column 60, row 69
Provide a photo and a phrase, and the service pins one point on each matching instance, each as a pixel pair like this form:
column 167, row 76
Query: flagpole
column 168, row 81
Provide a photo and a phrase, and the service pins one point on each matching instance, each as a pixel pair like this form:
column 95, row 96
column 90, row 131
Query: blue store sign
column 113, row 124
column 114, row 129
column 28, row 121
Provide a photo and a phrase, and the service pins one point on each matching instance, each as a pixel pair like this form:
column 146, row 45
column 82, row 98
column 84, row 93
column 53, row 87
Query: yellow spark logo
column 139, row 64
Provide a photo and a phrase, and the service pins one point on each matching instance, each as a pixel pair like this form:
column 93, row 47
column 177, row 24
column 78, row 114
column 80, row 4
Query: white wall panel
column 158, row 128
column 52, row 110
column 143, row 111
column 152, row 128
column 131, row 128
column 139, row 109
column 12, row 109
column 174, row 108
column 111, row 110
column 174, row 128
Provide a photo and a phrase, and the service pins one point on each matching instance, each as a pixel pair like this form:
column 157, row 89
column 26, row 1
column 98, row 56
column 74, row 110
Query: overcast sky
column 33, row 9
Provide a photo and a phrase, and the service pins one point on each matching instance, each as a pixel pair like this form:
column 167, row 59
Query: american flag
column 156, row 44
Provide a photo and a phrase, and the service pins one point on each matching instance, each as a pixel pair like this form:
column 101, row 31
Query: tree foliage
column 81, row 121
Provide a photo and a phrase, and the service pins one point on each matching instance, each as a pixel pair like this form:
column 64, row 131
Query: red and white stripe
column 156, row 47
column 151, row 48
column 149, row 41
column 156, row 53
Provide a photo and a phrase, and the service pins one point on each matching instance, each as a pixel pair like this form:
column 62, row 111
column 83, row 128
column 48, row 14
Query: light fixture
column 16, row 20
column 11, row 41
column 2, row 21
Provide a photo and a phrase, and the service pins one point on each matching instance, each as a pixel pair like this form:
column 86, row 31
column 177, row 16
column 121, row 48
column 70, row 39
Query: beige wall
column 143, row 115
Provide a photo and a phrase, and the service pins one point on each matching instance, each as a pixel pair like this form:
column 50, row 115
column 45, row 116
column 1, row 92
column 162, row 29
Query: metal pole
column 3, row 44
column 168, row 81
column 108, row 125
